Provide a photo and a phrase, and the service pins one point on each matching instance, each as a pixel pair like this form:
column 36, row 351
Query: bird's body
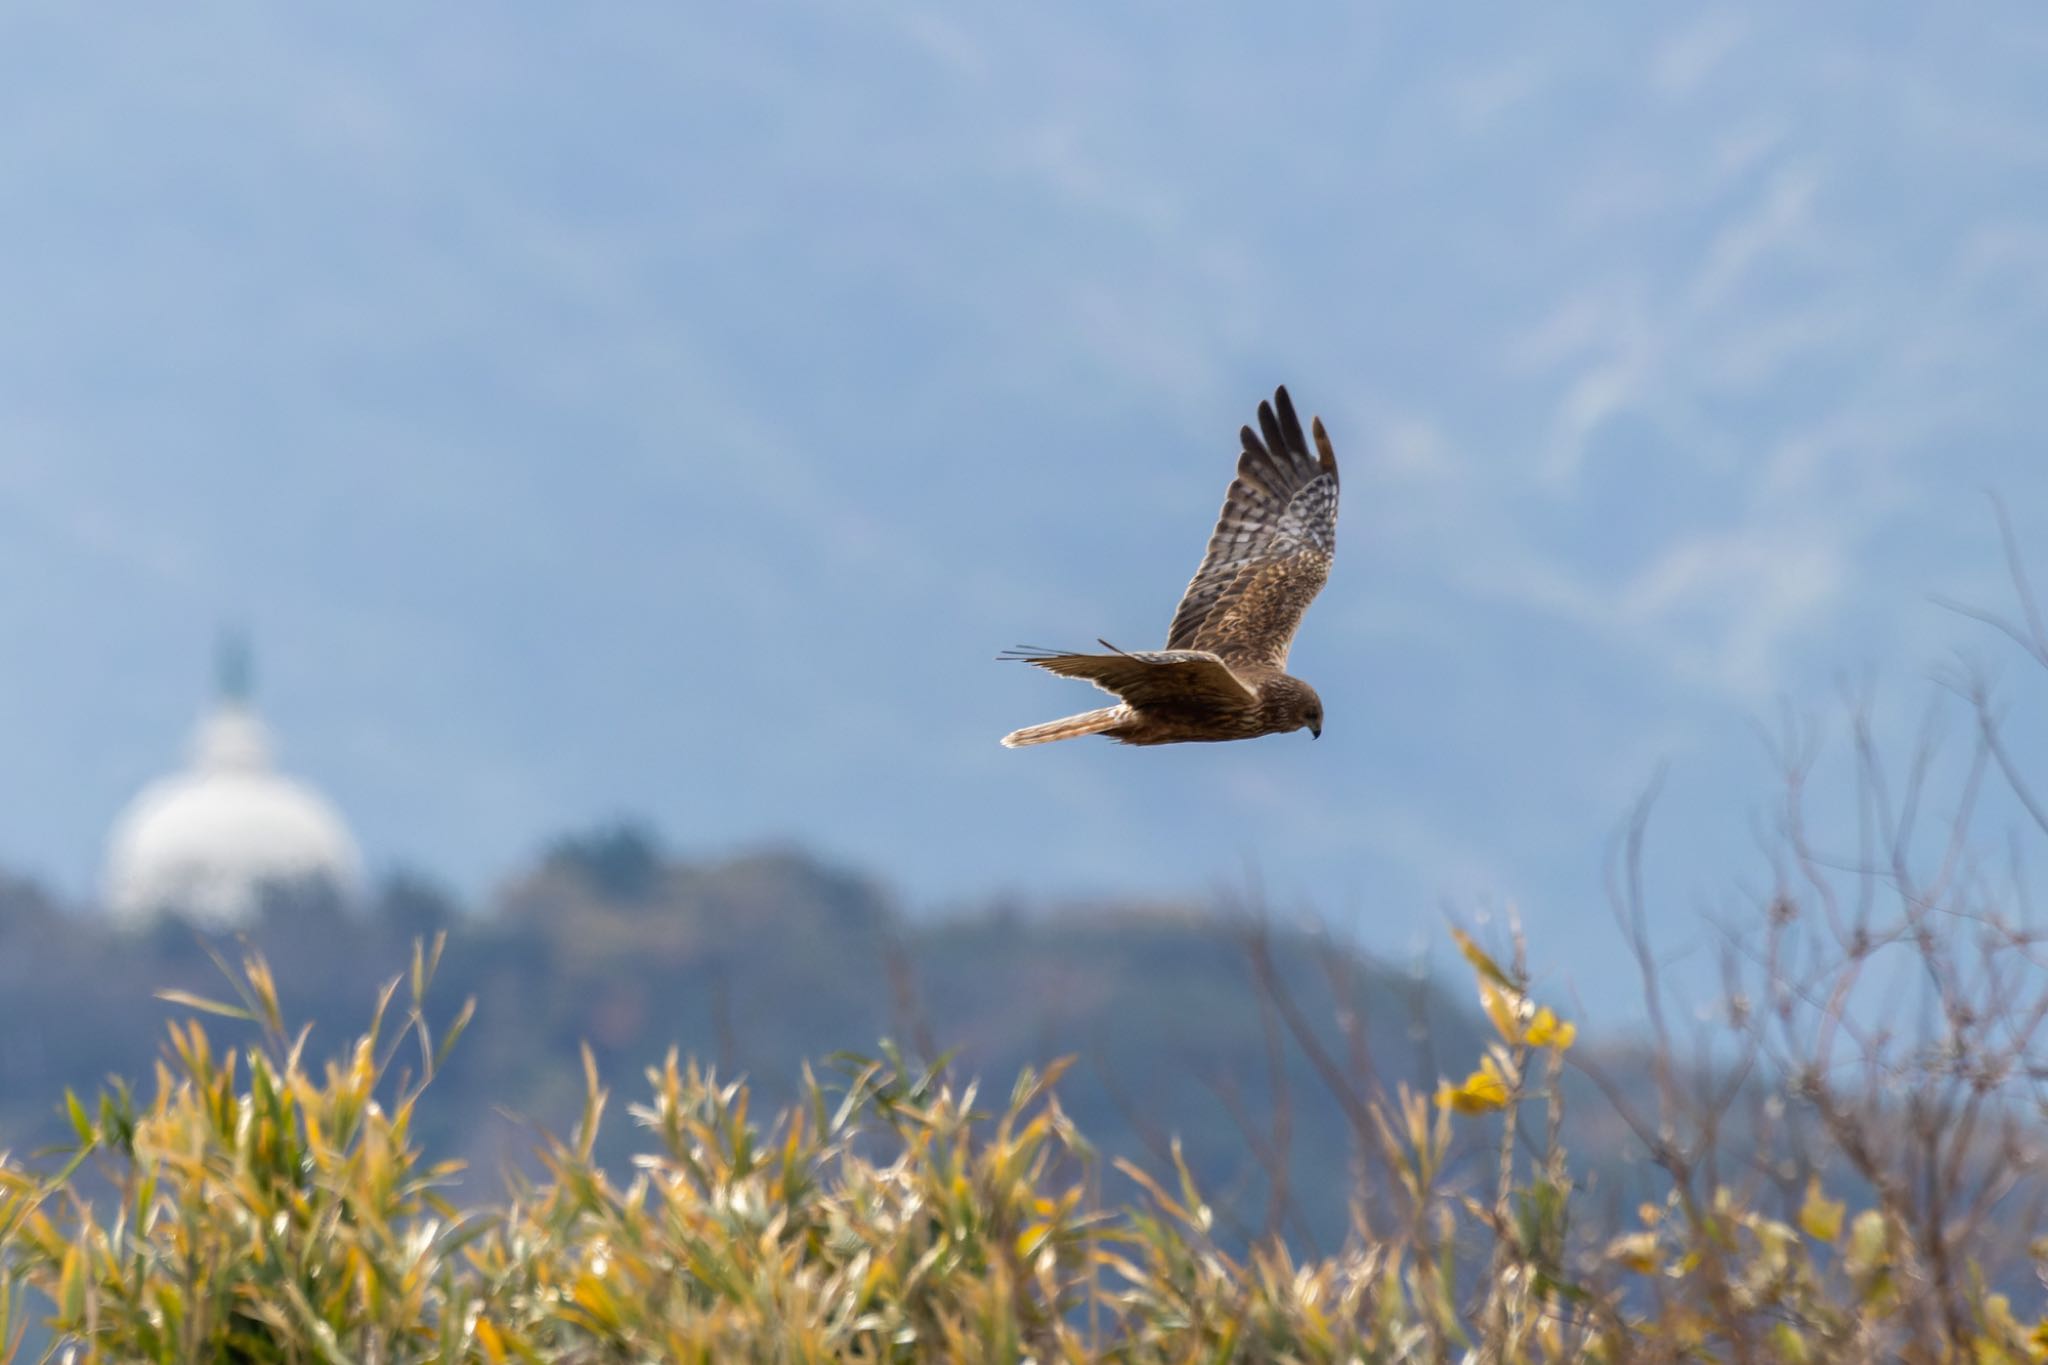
column 1223, row 674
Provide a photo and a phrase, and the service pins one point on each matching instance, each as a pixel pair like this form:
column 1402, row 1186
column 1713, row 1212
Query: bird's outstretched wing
column 1271, row 550
column 1171, row 678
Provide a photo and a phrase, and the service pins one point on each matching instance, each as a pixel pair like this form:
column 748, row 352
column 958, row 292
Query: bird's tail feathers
column 1072, row 727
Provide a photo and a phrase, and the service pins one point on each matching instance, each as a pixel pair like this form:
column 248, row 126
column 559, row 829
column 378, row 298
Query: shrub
column 261, row 1207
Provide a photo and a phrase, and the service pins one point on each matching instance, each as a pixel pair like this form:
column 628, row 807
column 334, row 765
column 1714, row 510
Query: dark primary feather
column 1270, row 552
column 1162, row 678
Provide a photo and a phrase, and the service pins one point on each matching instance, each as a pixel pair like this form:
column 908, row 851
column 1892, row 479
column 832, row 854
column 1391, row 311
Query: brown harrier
column 1223, row 673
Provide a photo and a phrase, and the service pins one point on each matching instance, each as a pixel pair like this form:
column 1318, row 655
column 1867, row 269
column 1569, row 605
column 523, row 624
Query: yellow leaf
column 1549, row 1031
column 1476, row 955
column 1791, row 1347
column 1483, row 1091
column 1636, row 1250
column 1868, row 1237
column 589, row 1294
column 877, row 1273
column 494, row 1345
column 1503, row 1007
column 71, row 1290
column 1820, row 1216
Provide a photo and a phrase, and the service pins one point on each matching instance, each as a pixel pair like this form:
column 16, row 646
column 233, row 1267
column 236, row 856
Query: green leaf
column 206, row 1006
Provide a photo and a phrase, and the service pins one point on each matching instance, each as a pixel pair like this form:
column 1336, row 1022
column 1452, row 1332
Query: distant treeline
column 753, row 965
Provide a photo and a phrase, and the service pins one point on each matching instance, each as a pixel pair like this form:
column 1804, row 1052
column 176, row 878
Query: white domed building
column 214, row 842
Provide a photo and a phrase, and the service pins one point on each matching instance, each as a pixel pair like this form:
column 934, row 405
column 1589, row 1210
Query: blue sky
column 671, row 410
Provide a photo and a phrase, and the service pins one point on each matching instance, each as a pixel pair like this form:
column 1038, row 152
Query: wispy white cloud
column 1598, row 394
column 1584, row 320
column 1779, row 224
column 1750, row 143
column 1477, row 99
column 1686, row 59
column 940, row 36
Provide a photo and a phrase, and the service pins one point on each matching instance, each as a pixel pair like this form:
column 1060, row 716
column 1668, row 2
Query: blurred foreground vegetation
column 271, row 1203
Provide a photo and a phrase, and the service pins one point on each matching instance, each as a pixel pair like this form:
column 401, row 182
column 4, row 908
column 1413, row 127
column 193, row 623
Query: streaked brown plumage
column 1223, row 672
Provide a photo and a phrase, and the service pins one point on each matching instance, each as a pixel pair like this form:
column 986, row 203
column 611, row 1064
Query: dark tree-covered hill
column 758, row 964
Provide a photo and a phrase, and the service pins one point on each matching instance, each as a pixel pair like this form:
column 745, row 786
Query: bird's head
column 1298, row 705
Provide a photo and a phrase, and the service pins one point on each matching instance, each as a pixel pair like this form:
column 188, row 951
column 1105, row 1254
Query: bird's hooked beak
column 1315, row 732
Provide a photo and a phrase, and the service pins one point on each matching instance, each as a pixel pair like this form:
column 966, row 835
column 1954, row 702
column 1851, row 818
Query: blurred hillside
column 756, row 964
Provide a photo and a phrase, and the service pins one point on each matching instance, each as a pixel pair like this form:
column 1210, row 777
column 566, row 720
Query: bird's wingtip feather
column 1325, row 451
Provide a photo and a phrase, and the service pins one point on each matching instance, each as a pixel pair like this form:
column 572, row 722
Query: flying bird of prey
column 1223, row 672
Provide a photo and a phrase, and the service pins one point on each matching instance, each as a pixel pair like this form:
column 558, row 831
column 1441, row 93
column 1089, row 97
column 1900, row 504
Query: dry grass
column 265, row 1207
